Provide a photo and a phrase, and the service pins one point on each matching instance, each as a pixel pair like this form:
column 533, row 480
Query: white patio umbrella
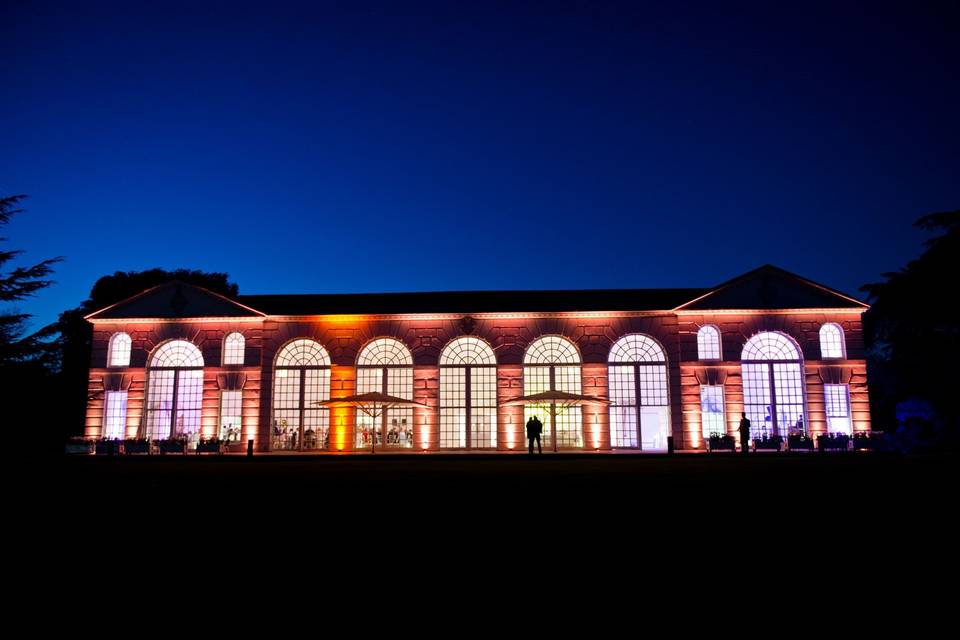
column 373, row 404
column 559, row 402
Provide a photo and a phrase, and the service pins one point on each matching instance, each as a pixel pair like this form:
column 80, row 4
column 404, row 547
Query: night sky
column 363, row 147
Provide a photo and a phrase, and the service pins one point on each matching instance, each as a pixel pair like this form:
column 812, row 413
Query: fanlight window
column 174, row 391
column 640, row 412
column 177, row 353
column 118, row 350
column 551, row 350
column 385, row 365
column 770, row 345
column 468, row 395
column 301, row 379
column 773, row 385
column 552, row 363
column 233, row 349
column 384, row 352
column 708, row 343
column 831, row 341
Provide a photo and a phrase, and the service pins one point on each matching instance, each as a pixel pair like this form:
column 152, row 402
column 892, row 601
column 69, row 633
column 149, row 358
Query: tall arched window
column 831, row 341
column 552, row 363
column 174, row 391
column 708, row 343
column 118, row 350
column 640, row 409
column 468, row 395
column 233, row 348
column 301, row 379
column 773, row 385
column 386, row 366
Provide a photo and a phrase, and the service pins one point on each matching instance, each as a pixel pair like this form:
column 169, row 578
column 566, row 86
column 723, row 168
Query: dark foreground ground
column 880, row 519
column 492, row 491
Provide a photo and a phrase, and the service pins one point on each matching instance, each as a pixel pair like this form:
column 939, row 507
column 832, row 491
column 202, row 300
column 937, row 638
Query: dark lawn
column 464, row 515
column 563, row 487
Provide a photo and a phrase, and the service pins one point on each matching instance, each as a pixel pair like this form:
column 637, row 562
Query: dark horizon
column 507, row 148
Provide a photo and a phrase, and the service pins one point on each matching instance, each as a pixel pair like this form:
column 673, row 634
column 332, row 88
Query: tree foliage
column 913, row 336
column 17, row 345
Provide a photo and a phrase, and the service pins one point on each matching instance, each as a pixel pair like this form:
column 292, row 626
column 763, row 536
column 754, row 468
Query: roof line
column 744, row 276
column 91, row 315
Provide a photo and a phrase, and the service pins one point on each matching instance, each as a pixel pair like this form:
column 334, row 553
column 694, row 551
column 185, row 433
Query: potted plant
column 173, row 445
column 768, row 443
column 868, row 441
column 136, row 445
column 721, row 442
column 107, row 447
column 833, row 442
column 799, row 442
column 80, row 445
column 210, row 445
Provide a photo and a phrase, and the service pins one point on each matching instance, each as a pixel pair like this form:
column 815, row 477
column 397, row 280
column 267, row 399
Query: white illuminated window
column 837, row 401
column 552, row 363
column 468, row 395
column 301, row 379
column 115, row 415
column 639, row 410
column 231, row 415
column 772, row 370
column 233, row 349
column 385, row 365
column 174, row 391
column 831, row 341
column 711, row 410
column 118, row 350
column 708, row 343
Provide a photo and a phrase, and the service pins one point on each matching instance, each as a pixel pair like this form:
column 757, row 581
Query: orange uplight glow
column 340, row 416
column 425, row 434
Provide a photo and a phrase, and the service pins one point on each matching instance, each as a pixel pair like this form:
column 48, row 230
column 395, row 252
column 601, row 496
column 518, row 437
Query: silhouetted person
column 744, row 434
column 534, row 429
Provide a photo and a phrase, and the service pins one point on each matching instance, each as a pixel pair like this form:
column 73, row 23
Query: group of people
column 745, row 424
column 287, row 437
column 399, row 435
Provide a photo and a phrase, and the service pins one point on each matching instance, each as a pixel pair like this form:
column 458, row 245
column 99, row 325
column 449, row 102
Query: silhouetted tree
column 75, row 333
column 913, row 338
column 17, row 346
column 29, row 360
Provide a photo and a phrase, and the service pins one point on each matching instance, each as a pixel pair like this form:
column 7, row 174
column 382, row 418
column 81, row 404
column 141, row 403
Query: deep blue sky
column 365, row 147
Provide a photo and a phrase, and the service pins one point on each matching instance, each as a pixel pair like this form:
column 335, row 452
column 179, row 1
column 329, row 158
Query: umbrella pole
column 373, row 435
column 553, row 426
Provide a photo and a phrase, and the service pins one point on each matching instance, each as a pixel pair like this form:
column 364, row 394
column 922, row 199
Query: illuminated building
column 680, row 363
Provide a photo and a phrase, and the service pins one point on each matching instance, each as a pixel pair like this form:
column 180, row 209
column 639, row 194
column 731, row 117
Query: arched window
column 773, row 385
column 118, row 350
column 708, row 343
column 386, row 366
column 832, row 342
column 174, row 391
column 552, row 363
column 640, row 409
column 233, row 348
column 301, row 379
column 468, row 395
